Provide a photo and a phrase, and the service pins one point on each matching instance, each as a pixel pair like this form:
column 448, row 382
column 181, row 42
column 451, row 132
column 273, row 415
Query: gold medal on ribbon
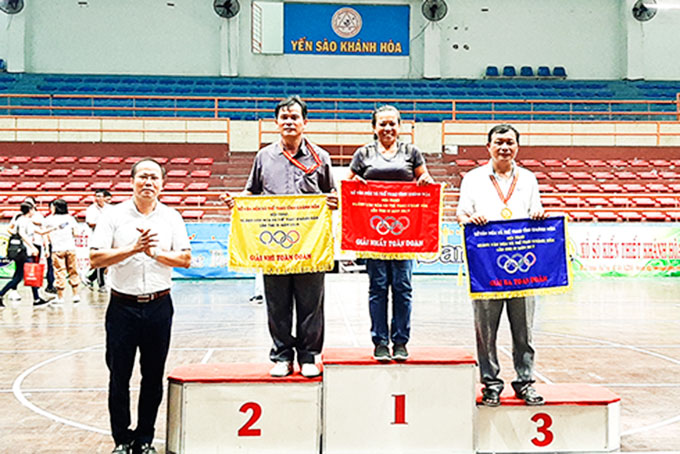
column 506, row 213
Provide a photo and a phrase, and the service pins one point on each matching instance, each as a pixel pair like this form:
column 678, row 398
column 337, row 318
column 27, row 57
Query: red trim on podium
column 560, row 394
column 417, row 356
column 234, row 373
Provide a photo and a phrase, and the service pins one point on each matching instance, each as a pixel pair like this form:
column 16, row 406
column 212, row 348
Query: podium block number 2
column 247, row 429
column 545, row 423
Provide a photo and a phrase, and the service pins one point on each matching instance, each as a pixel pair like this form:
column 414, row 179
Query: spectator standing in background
column 102, row 200
column 61, row 228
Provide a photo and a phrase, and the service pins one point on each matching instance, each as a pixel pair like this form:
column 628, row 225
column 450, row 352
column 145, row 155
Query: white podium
column 240, row 408
column 423, row 405
column 575, row 418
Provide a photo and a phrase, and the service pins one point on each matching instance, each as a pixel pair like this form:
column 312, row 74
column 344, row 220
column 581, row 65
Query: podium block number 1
column 399, row 409
column 247, row 429
column 545, row 423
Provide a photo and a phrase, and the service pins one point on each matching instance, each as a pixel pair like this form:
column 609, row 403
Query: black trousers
column 304, row 294
column 132, row 326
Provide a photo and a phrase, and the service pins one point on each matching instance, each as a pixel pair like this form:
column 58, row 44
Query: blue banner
column 325, row 29
column 507, row 259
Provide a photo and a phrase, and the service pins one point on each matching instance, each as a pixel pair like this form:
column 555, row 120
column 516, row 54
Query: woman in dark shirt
column 389, row 159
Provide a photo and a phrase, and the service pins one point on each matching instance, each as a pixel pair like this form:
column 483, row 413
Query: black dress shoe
column 491, row 397
column 530, row 396
column 123, row 448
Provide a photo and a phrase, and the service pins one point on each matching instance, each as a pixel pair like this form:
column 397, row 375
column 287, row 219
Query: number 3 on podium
column 547, row 436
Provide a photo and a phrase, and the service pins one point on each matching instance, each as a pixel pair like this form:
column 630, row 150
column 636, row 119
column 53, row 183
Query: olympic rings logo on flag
column 516, row 262
column 283, row 239
column 389, row 225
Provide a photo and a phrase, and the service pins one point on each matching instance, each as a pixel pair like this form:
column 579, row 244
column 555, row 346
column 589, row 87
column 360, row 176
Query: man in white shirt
column 502, row 190
column 102, row 199
column 140, row 240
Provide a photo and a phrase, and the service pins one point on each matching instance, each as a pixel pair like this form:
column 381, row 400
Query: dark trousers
column 131, row 326
column 18, row 276
column 98, row 274
column 383, row 275
column 487, row 318
column 304, row 294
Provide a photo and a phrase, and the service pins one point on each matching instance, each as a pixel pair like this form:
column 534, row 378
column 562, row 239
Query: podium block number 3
column 247, row 429
column 399, row 409
column 545, row 423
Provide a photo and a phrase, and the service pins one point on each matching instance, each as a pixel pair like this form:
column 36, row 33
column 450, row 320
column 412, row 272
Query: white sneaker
column 13, row 295
column 76, row 298
column 58, row 301
column 281, row 369
column 310, row 370
column 49, row 296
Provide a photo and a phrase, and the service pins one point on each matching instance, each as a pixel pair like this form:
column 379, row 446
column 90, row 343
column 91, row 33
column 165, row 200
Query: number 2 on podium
column 247, row 429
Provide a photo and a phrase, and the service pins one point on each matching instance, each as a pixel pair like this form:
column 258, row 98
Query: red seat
column 596, row 163
column 132, row 159
column 7, row 185
column 616, row 163
column 101, row 185
column 530, row 163
column 482, row 162
column 605, row 216
column 574, row 163
column 82, row 173
column 35, row 173
column 192, row 214
column 119, row 198
column 112, row 160
column 667, row 201
column 657, row 187
column 106, row 173
column 543, row 188
column 620, row 201
column 643, row 202
column 27, row 186
column 465, row 163
column 611, row 187
column 3, row 198
column 161, row 160
column 573, row 201
column 203, row 161
column 660, row 163
column 122, row 186
column 581, row 216
column 198, row 186
column 45, row 198
column 42, row 159
column 638, row 163
column 72, row 198
column 177, row 173
column 89, row 159
column 11, row 172
column 3, row 158
column 651, row 175
column 626, row 175
column 9, row 214
column 581, row 175
column 76, row 186
column 175, row 186
column 598, row 201
column 589, row 187
column 16, row 199
column 552, row 163
column 666, row 175
column 171, row 199
column 551, row 202
column 674, row 215
column 634, row 187
column 125, row 173
column 201, row 174
column 559, row 175
column 19, row 159
column 53, row 185
column 675, row 187
column 87, row 200
column 631, row 216
column 540, row 176
column 566, row 187
column 195, row 200
column 603, row 175
column 65, row 159
column 180, row 160
column 654, row 216
column 58, row 173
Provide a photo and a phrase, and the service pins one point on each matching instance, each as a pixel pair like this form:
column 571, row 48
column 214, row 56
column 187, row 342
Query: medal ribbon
column 301, row 166
column 504, row 198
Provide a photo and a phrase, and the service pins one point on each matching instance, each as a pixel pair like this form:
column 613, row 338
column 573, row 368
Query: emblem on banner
column 346, row 22
column 390, row 224
column 283, row 239
column 517, row 262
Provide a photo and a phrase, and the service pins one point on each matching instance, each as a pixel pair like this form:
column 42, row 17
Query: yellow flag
column 283, row 234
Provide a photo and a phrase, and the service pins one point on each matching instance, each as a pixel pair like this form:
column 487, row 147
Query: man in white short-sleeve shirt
column 102, row 198
column 496, row 191
column 140, row 241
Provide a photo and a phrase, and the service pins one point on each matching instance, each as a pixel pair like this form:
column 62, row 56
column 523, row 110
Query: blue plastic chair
column 526, row 71
column 559, row 71
column 509, row 71
column 492, row 71
column 543, row 71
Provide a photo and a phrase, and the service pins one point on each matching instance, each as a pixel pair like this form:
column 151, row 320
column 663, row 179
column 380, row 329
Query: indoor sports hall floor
column 621, row 333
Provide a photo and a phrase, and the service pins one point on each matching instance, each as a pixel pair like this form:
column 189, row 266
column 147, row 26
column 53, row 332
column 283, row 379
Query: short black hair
column 502, row 129
column 133, row 170
column 26, row 207
column 60, row 206
column 291, row 101
column 384, row 108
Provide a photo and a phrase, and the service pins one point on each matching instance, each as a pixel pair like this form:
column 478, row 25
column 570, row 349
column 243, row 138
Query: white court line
column 19, row 394
column 207, row 356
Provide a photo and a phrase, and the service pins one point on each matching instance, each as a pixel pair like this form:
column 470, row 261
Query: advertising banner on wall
column 336, row 29
column 623, row 249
